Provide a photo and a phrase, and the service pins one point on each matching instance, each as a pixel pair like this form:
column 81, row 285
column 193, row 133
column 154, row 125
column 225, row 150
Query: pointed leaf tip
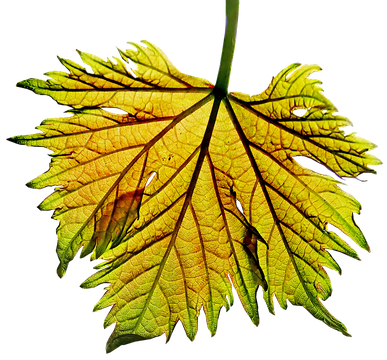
column 115, row 342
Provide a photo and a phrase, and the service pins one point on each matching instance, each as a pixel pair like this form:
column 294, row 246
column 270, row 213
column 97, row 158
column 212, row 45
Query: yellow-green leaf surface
column 154, row 191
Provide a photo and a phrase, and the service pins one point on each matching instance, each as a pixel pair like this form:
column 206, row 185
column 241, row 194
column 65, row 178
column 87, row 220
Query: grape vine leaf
column 153, row 191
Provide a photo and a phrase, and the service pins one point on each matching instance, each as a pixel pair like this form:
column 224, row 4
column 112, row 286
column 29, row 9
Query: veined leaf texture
column 179, row 242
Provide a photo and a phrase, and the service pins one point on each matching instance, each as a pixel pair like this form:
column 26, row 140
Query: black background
column 53, row 315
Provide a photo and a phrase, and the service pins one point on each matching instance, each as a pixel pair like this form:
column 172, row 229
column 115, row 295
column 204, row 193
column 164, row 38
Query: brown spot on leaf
column 116, row 218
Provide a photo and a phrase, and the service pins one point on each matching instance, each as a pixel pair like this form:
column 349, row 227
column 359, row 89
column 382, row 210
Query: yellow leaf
column 175, row 245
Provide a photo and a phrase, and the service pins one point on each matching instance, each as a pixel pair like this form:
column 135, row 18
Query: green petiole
column 231, row 17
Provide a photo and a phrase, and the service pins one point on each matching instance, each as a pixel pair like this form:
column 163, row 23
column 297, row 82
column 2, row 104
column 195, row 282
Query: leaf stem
column 232, row 11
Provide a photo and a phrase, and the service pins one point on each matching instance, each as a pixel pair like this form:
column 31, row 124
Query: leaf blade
column 179, row 243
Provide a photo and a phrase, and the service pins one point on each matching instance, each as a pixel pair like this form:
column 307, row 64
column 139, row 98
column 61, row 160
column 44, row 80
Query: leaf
column 175, row 245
